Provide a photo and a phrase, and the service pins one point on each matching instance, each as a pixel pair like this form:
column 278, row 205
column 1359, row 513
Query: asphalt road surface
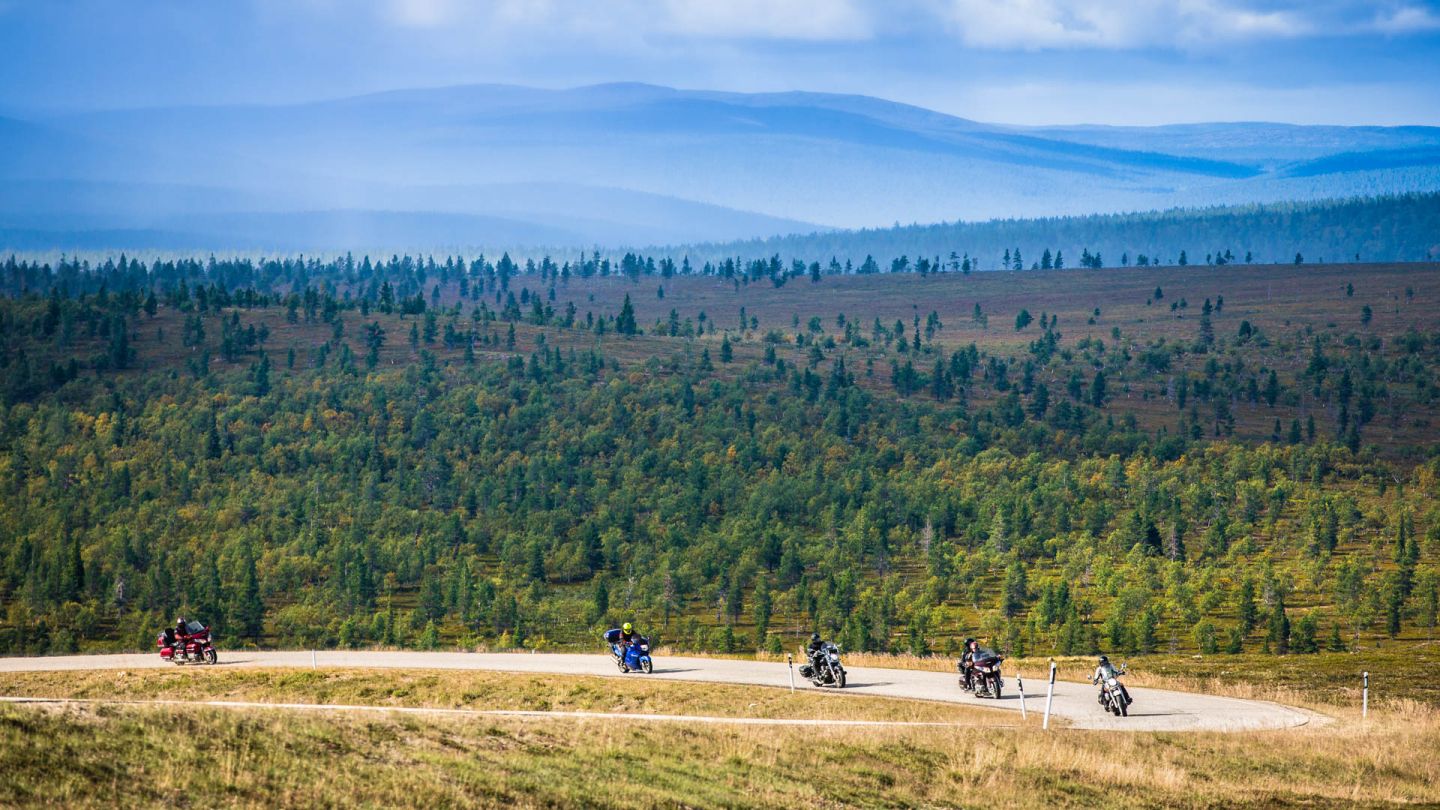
column 1153, row 710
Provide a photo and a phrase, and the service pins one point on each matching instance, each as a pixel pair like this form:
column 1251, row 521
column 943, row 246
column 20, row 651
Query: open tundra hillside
column 441, row 451
column 629, row 164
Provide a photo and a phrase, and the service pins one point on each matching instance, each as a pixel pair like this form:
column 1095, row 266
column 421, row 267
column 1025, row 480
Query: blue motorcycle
column 630, row 657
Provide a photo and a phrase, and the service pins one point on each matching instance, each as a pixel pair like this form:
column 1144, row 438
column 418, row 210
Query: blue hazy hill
column 633, row 164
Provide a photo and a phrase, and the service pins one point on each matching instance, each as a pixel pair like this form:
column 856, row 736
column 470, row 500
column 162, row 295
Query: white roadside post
column 313, row 663
column 790, row 665
column 1020, row 684
column 1049, row 695
column 1365, row 696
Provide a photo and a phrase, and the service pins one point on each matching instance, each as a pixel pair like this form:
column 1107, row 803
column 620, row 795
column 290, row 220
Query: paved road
column 1154, row 709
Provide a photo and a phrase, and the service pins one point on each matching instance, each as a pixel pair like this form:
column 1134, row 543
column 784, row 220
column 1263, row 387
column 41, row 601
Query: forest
column 438, row 452
column 1371, row 229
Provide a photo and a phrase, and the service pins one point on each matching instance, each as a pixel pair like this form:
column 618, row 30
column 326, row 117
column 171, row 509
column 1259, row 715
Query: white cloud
column 422, row 13
column 1125, row 24
column 1406, row 20
column 730, row 19
column 769, row 19
column 982, row 24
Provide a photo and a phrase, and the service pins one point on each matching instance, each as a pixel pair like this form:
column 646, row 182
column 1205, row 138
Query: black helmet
column 969, row 641
column 1104, row 659
column 814, row 636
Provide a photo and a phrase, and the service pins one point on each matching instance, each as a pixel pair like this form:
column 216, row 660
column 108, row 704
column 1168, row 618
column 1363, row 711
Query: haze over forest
column 487, row 166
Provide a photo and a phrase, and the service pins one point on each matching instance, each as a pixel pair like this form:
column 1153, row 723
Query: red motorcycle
column 981, row 675
column 193, row 646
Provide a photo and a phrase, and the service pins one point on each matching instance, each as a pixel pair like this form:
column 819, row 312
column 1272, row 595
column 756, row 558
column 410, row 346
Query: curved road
column 1154, row 709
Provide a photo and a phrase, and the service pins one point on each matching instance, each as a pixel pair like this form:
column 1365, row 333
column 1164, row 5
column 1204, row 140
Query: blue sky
column 1015, row 61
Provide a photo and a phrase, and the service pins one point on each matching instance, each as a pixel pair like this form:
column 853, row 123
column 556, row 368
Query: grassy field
column 108, row 756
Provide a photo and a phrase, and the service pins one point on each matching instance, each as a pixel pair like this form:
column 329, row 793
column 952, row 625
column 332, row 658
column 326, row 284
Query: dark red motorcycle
column 981, row 675
column 190, row 645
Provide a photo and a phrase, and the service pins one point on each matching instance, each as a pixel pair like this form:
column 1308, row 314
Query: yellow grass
column 94, row 757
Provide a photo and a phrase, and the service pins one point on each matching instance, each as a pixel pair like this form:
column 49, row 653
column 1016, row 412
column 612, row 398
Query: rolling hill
column 620, row 164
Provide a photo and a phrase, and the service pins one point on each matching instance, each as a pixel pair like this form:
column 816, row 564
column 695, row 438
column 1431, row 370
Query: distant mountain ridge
column 632, row 164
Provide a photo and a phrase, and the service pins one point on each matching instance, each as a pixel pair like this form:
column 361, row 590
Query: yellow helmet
column 626, row 627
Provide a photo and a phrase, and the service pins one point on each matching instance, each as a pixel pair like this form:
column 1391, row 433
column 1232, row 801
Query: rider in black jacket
column 815, row 647
column 967, row 662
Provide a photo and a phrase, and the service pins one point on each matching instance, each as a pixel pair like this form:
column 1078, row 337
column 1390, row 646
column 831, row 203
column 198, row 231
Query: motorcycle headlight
column 1111, row 682
column 644, row 648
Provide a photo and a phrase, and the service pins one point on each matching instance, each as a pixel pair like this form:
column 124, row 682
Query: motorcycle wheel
column 210, row 656
column 840, row 679
column 647, row 666
column 995, row 688
column 1124, row 709
column 623, row 668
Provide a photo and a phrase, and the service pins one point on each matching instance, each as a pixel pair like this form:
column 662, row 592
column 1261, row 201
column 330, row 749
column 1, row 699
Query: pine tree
column 1097, row 390
column 625, row 321
column 1245, row 606
column 1336, row 644
column 761, row 609
column 249, row 611
column 1279, row 634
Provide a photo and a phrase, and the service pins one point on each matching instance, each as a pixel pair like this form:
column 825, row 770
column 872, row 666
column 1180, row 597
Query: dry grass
column 91, row 757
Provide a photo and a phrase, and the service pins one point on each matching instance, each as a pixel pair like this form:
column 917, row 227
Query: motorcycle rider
column 815, row 644
column 178, row 636
column 1104, row 671
column 967, row 661
column 627, row 634
column 814, row 648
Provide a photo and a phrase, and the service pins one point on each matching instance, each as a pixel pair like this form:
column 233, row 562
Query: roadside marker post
column 313, row 663
column 790, row 665
column 1365, row 696
column 1020, row 684
column 1049, row 695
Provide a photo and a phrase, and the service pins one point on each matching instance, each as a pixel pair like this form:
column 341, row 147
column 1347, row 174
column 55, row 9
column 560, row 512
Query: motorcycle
column 983, row 678
column 825, row 668
column 194, row 646
column 630, row 657
column 1112, row 698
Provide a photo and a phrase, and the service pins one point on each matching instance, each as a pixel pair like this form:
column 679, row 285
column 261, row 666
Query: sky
column 1033, row 62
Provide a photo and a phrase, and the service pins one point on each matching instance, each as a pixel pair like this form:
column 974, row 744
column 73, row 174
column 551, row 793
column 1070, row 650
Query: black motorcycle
column 825, row 668
column 1112, row 694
